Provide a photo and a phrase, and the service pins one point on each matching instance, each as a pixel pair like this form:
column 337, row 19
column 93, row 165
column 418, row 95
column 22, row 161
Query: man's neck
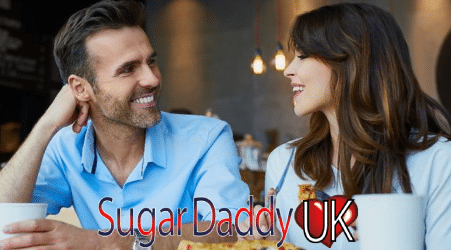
column 120, row 146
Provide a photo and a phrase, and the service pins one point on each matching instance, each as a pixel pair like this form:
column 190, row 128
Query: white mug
column 390, row 221
column 14, row 212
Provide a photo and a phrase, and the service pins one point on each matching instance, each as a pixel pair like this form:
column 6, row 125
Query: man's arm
column 23, row 168
column 18, row 178
column 59, row 235
column 50, row 234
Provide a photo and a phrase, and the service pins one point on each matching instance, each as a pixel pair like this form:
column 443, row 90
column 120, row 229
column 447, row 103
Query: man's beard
column 121, row 112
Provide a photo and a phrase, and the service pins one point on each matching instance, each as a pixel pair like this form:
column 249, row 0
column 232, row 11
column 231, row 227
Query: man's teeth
column 144, row 100
column 298, row 88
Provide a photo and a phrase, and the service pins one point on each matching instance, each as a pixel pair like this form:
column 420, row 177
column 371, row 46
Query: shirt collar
column 88, row 156
column 155, row 144
column 154, row 147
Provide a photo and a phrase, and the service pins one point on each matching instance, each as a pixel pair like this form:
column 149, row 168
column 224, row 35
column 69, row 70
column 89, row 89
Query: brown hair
column 382, row 112
column 70, row 51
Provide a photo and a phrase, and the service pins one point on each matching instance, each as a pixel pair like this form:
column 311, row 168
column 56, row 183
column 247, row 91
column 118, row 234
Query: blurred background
column 205, row 50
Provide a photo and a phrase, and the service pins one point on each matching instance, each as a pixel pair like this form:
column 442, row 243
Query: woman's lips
column 297, row 89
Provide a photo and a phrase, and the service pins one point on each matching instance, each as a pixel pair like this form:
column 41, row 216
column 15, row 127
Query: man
column 128, row 155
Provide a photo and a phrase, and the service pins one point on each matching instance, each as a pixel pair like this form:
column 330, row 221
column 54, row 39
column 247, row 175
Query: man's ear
column 80, row 88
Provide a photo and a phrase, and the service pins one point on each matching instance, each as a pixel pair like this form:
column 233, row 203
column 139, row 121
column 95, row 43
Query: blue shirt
column 185, row 156
column 430, row 176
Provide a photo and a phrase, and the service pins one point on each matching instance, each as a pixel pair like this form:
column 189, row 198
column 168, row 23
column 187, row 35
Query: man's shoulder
column 191, row 124
column 68, row 138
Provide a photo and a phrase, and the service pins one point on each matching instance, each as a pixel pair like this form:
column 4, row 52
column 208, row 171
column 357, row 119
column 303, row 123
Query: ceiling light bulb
column 280, row 58
column 258, row 65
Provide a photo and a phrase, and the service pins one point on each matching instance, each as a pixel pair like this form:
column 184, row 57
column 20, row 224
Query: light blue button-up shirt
column 185, row 156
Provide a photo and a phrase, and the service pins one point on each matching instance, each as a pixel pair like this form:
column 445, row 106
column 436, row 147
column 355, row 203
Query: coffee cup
column 14, row 212
column 390, row 221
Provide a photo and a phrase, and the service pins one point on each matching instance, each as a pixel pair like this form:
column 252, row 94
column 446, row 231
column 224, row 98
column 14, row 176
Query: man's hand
column 51, row 234
column 65, row 110
column 47, row 234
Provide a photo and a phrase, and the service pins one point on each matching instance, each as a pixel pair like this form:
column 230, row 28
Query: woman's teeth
column 144, row 100
column 298, row 88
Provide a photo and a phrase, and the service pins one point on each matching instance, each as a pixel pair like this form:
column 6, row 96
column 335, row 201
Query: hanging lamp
column 279, row 58
column 258, row 64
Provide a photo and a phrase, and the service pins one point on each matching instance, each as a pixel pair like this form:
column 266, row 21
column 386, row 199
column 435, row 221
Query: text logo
column 324, row 221
column 148, row 227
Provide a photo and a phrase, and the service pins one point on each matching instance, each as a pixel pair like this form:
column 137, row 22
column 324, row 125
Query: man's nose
column 150, row 76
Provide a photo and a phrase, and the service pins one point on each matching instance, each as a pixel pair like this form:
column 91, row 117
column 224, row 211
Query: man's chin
column 151, row 121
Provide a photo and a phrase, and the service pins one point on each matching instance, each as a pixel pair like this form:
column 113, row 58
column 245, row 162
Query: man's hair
column 70, row 51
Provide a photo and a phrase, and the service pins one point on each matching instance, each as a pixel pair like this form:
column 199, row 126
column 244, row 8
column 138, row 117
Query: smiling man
column 120, row 147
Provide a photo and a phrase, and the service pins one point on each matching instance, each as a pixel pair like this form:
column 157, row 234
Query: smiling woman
column 372, row 128
column 310, row 77
column 373, row 107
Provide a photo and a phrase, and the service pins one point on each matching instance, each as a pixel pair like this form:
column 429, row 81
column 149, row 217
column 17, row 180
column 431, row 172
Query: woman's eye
column 302, row 57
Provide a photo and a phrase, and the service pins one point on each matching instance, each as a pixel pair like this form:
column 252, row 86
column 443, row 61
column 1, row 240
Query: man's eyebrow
column 154, row 54
column 131, row 63
column 125, row 65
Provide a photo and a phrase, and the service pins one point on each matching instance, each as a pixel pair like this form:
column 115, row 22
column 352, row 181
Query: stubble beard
column 120, row 112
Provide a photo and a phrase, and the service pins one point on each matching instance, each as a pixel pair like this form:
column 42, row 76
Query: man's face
column 128, row 78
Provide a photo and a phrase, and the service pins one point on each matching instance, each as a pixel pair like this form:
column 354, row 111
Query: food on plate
column 239, row 245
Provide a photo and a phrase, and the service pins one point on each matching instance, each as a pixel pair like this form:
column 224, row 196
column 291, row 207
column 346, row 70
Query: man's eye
column 128, row 70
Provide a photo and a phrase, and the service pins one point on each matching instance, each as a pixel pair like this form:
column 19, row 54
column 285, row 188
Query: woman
column 372, row 128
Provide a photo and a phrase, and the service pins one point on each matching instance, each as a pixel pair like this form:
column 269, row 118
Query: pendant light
column 279, row 58
column 258, row 65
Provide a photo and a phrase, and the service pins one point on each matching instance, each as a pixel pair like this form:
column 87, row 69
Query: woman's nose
column 288, row 70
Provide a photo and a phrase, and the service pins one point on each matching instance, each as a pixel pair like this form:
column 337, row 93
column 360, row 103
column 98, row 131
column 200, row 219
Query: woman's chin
column 300, row 112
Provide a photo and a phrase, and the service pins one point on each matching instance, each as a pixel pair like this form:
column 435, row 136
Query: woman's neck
column 334, row 134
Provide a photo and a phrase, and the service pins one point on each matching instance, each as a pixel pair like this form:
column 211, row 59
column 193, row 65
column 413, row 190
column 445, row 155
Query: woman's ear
column 80, row 88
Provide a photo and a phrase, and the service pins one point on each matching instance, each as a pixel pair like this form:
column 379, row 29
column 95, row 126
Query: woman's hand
column 264, row 224
column 355, row 234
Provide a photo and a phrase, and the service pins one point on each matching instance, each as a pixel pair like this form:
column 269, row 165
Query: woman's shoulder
column 280, row 157
column 282, row 152
column 277, row 162
column 440, row 149
column 434, row 161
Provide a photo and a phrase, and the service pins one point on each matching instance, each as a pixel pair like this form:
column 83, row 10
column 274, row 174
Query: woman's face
column 310, row 80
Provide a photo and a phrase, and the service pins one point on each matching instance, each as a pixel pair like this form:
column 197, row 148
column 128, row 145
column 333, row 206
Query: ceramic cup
column 13, row 212
column 390, row 221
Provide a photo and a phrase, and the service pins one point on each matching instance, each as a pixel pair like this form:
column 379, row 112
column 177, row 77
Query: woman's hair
column 382, row 113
